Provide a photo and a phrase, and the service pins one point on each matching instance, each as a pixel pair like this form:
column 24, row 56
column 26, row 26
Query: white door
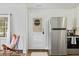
column 37, row 39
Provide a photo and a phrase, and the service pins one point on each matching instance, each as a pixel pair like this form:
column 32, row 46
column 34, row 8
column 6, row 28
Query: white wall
column 77, row 16
column 46, row 14
column 18, row 22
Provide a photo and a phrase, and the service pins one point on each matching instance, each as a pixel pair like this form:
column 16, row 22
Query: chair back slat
column 16, row 45
column 17, row 41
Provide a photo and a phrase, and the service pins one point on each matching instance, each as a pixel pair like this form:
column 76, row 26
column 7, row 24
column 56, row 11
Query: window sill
column 3, row 38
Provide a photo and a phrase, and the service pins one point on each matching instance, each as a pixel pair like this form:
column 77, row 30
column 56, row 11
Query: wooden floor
column 19, row 53
column 39, row 52
column 30, row 51
column 42, row 50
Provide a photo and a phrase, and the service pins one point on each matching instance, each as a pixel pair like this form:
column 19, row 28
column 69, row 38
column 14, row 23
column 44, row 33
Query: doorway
column 37, row 29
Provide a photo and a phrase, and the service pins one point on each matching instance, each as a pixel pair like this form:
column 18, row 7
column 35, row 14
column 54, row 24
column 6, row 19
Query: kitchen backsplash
column 77, row 31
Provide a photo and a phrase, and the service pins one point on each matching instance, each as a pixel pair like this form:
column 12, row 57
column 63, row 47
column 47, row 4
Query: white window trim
column 8, row 30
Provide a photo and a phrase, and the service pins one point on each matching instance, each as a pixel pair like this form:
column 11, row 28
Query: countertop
column 72, row 35
column 69, row 36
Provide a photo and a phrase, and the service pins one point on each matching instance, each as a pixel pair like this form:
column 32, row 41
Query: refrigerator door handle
column 58, row 28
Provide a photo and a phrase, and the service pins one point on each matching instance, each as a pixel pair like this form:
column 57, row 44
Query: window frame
column 8, row 27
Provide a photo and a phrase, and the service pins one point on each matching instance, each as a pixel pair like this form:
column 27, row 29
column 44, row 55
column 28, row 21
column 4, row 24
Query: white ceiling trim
column 52, row 5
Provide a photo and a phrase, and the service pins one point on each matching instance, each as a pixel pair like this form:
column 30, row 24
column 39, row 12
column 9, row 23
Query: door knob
column 43, row 32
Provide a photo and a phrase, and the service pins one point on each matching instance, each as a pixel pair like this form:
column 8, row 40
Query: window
column 4, row 25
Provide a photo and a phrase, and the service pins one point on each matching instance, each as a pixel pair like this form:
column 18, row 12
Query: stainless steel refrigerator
column 57, row 36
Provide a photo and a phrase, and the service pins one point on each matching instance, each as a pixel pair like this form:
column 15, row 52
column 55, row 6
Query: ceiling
column 52, row 5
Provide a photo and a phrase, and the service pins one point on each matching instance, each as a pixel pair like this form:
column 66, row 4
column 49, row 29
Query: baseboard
column 43, row 50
